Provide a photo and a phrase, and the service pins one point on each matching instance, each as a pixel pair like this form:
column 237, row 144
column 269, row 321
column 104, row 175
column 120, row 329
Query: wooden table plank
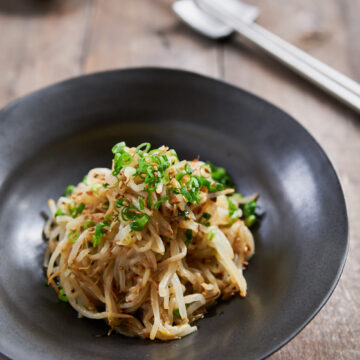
column 144, row 33
column 40, row 48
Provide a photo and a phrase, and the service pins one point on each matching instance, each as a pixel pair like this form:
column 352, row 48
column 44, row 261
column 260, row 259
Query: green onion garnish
column 76, row 210
column 189, row 237
column 95, row 188
column 250, row 220
column 219, row 174
column 180, row 175
column 110, row 217
column 73, row 235
column 211, row 235
column 143, row 148
column 69, row 190
column 140, row 222
column 174, row 154
column 149, row 201
column 105, row 205
column 141, row 203
column 59, row 212
column 188, row 168
column 88, row 224
column 184, row 213
column 118, row 148
column 249, row 213
column 249, row 208
column 84, row 180
column 129, row 213
column 204, row 219
column 99, row 233
column 158, row 203
column 122, row 202
column 62, row 296
column 232, row 211
column 174, row 190
column 231, row 206
column 185, row 193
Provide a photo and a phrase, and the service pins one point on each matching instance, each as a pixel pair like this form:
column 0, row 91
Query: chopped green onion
column 143, row 148
column 166, row 178
column 211, row 235
column 205, row 216
column 174, row 154
column 73, row 235
column 141, row 203
column 185, row 193
column 176, row 313
column 76, row 210
column 69, row 190
column 158, row 203
column 126, row 159
column 140, row 222
column 120, row 160
column 174, row 190
column 188, row 168
column 153, row 151
column 59, row 212
column 105, row 205
column 110, row 217
column 149, row 200
column 189, row 237
column 249, row 208
column 203, row 182
column 180, row 175
column 80, row 208
column 122, row 202
column 250, row 220
column 219, row 174
column 231, row 206
column 237, row 196
column 95, row 188
column 118, row 148
column 84, row 180
column 88, row 224
column 99, row 233
column 106, row 186
column 62, row 296
column 184, row 213
column 129, row 213
column 233, row 211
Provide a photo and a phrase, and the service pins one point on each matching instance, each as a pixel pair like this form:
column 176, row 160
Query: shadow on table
column 35, row 7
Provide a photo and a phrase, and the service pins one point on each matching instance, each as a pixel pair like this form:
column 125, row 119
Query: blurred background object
column 45, row 41
column 27, row 7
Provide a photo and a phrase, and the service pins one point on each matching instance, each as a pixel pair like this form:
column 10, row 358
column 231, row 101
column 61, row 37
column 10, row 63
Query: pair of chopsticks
column 322, row 75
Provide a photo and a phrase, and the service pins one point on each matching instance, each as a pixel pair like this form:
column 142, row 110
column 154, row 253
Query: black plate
column 49, row 139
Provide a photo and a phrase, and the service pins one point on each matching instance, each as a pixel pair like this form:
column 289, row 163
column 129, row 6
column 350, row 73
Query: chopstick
column 327, row 78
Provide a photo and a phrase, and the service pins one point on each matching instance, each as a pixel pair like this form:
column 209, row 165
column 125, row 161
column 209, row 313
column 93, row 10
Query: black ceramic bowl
column 51, row 138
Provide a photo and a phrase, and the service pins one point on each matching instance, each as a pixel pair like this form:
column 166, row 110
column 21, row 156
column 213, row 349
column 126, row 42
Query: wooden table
column 46, row 41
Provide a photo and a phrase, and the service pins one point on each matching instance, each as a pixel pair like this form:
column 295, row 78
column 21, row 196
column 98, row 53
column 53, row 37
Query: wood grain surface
column 44, row 41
